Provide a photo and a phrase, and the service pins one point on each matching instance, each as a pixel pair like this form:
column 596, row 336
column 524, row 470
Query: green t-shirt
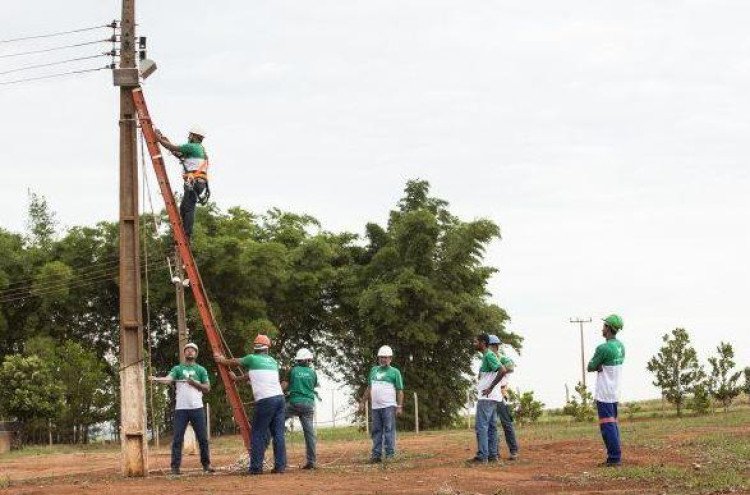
column 490, row 362
column 302, row 383
column 193, row 150
column 187, row 396
column 610, row 353
column 185, row 371
column 263, row 371
column 384, row 382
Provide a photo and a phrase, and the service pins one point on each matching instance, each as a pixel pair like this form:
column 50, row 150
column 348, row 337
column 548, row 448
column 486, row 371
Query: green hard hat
column 614, row 321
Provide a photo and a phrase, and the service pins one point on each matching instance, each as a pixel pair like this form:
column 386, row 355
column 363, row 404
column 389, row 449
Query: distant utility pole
column 132, row 380
column 580, row 322
column 188, row 443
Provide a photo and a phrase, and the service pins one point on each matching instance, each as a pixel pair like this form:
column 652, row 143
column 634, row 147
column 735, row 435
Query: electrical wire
column 50, row 64
column 112, row 24
column 92, row 267
column 65, row 47
column 60, row 74
column 70, row 284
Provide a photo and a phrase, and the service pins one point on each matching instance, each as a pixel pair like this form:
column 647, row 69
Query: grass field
column 662, row 455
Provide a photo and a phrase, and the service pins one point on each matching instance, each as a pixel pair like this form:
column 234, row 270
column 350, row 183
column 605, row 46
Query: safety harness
column 199, row 174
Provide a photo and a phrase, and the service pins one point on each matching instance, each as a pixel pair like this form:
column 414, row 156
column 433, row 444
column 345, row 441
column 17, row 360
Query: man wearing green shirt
column 191, row 381
column 268, row 413
column 194, row 161
column 503, row 410
column 607, row 363
column 486, row 413
column 300, row 388
column 386, row 392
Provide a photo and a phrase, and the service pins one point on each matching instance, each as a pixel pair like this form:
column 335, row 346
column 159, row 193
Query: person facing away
column 504, row 413
column 607, row 363
column 191, row 382
column 386, row 392
column 268, row 413
column 486, row 412
column 300, row 388
column 195, row 167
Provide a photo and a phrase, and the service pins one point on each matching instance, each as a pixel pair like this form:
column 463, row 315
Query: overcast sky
column 608, row 139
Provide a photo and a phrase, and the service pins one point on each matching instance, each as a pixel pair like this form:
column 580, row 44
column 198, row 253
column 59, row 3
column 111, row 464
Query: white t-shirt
column 263, row 372
column 187, row 396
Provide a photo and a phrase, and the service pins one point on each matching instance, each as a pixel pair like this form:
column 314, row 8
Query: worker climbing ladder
column 196, row 284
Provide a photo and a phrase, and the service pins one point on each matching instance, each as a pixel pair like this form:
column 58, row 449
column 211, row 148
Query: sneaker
column 610, row 464
column 176, row 472
column 254, row 473
column 513, row 456
column 309, row 465
column 208, row 469
column 493, row 459
column 278, row 471
column 375, row 460
column 475, row 461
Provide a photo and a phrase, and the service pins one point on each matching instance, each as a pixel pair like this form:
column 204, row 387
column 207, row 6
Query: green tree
column 420, row 286
column 31, row 393
column 41, row 222
column 746, row 388
column 526, row 409
column 88, row 387
column 676, row 368
column 723, row 383
column 700, row 402
column 580, row 406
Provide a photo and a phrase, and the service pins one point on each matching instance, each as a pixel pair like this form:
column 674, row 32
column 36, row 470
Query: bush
column 700, row 402
column 581, row 407
column 525, row 408
column 632, row 408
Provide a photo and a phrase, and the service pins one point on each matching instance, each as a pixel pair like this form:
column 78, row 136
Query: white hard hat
column 197, row 131
column 385, row 351
column 192, row 346
column 303, row 355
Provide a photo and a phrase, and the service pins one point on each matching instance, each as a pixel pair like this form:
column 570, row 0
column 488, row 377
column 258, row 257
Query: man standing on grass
column 607, row 362
column 386, row 391
column 486, row 414
column 268, row 413
column 503, row 409
column 191, row 380
column 300, row 387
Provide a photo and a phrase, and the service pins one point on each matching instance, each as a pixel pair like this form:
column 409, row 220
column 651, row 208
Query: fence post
column 367, row 417
column 416, row 413
column 208, row 420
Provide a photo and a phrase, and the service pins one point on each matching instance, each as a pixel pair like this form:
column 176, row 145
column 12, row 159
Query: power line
column 112, row 25
column 30, row 284
column 59, row 62
column 64, row 47
column 59, row 74
column 80, row 284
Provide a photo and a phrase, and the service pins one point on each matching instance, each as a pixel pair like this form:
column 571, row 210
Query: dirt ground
column 429, row 463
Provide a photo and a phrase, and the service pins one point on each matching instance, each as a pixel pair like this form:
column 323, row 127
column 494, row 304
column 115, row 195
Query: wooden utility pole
column 182, row 336
column 580, row 322
column 188, row 444
column 132, row 380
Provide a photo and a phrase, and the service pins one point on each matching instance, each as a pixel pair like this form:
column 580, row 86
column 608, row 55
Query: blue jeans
column 268, row 415
column 506, row 421
column 610, row 429
column 486, row 429
column 187, row 206
column 383, row 432
column 305, row 413
column 197, row 418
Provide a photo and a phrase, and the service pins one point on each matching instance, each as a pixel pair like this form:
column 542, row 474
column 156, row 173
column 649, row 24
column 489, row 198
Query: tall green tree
column 42, row 223
column 676, row 369
column 724, row 383
column 746, row 388
column 31, row 393
column 420, row 286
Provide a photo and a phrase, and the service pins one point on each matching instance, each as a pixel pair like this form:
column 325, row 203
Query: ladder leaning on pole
column 196, row 284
